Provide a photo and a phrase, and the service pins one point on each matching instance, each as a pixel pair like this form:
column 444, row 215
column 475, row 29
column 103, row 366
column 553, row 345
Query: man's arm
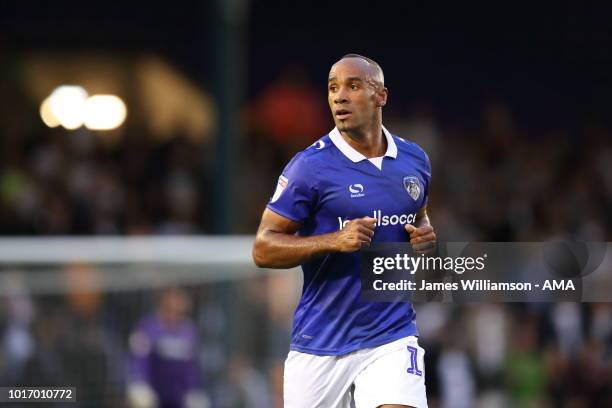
column 424, row 241
column 277, row 246
column 422, row 235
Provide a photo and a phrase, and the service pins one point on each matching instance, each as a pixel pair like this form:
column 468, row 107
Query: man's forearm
column 422, row 220
column 279, row 250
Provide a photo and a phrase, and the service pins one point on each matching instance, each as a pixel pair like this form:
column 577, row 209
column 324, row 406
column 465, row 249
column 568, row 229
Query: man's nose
column 340, row 97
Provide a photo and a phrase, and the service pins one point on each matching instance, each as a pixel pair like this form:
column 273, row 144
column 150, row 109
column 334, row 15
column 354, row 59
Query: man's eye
column 332, row 88
column 354, row 86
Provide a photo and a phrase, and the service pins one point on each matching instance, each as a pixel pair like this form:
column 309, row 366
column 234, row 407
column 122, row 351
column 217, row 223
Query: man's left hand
column 422, row 239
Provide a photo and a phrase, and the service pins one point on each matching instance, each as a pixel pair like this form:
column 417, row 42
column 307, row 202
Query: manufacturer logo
column 356, row 190
column 319, row 144
column 411, row 184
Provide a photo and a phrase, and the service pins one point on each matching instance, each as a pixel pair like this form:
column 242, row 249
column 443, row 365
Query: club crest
column 411, row 184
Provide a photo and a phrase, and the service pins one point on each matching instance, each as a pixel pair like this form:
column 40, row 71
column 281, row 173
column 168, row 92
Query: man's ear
column 381, row 97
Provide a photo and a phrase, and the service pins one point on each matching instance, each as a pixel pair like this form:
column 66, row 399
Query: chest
column 356, row 191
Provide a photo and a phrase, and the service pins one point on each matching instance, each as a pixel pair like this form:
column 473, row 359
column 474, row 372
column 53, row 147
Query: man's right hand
column 355, row 235
column 278, row 246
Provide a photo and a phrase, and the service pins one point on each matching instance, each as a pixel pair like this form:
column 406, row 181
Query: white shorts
column 389, row 374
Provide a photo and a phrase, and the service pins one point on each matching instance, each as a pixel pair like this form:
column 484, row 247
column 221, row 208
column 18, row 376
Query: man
column 163, row 368
column 319, row 217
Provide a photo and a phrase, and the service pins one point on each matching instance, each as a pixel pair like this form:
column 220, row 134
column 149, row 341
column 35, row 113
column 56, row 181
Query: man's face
column 353, row 95
column 174, row 305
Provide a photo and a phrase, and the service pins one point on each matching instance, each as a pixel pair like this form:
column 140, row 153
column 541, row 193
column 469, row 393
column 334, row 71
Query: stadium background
column 511, row 103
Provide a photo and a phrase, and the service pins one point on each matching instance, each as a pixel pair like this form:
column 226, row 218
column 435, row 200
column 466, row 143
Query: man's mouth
column 342, row 114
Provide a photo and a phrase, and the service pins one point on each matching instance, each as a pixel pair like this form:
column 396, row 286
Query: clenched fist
column 355, row 235
column 422, row 239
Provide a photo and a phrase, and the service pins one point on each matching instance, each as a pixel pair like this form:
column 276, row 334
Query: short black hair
column 370, row 61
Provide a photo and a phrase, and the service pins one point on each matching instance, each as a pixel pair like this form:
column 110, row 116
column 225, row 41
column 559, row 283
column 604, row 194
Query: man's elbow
column 259, row 254
column 259, row 259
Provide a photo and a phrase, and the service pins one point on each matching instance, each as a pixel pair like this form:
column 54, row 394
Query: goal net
column 145, row 322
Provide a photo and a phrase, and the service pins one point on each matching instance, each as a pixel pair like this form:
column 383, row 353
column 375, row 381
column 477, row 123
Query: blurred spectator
column 525, row 367
column 455, row 372
column 291, row 112
column 489, row 336
column 246, row 386
column 17, row 341
column 164, row 368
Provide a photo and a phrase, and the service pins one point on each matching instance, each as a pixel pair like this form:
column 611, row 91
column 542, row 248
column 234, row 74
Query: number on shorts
column 413, row 368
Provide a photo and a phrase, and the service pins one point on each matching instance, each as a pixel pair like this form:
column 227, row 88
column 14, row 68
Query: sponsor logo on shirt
column 383, row 220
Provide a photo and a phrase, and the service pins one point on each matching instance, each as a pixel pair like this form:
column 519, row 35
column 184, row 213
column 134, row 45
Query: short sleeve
column 294, row 195
column 425, row 171
column 427, row 178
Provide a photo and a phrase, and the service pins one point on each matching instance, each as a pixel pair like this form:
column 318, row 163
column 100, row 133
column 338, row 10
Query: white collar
column 353, row 154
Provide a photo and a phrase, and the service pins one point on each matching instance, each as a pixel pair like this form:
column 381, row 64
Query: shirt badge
column 412, row 186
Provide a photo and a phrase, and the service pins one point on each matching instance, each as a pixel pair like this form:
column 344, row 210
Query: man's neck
column 370, row 142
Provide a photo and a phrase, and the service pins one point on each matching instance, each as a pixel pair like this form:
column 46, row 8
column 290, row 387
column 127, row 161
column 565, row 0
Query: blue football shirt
column 325, row 186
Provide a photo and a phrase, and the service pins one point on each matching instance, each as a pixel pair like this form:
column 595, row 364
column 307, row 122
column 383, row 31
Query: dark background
column 551, row 63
